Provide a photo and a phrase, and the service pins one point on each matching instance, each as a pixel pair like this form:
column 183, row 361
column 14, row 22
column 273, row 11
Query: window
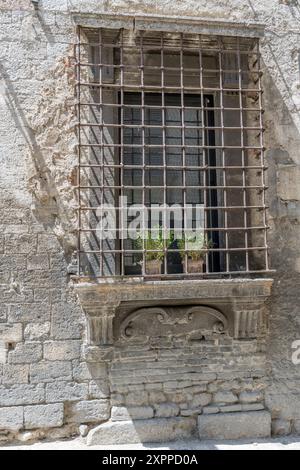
column 171, row 157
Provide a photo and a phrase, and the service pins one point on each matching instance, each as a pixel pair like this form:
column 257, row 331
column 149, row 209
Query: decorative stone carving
column 100, row 325
column 190, row 310
column 247, row 323
column 194, row 322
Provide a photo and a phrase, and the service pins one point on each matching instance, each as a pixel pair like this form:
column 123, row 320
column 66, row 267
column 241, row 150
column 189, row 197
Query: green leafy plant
column 152, row 240
column 195, row 246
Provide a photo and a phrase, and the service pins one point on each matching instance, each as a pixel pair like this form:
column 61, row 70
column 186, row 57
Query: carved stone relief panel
column 195, row 323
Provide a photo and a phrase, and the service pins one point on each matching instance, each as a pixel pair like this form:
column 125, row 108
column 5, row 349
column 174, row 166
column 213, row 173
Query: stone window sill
column 116, row 311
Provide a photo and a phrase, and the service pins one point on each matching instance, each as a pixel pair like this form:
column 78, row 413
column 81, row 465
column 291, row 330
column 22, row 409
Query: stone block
column 66, row 391
column 288, row 181
column 25, row 353
column 15, row 374
column 11, row 418
column 297, row 426
column 250, row 397
column 39, row 312
column 37, row 331
column 156, row 397
column 99, row 388
column 85, row 371
column 202, row 399
column 137, row 398
column 178, row 397
column 225, row 397
column 230, row 408
column 199, row 388
column 3, row 312
column 281, row 427
column 38, row 262
column 48, row 243
column 286, row 405
column 117, row 399
column 17, row 295
column 66, row 321
column 11, row 333
column 154, row 387
column 20, row 244
column 23, row 394
column 88, row 411
column 81, row 371
column 122, row 413
column 240, row 425
column 43, row 416
column 62, row 350
column 144, row 430
column 208, row 410
column 253, row 407
column 166, row 410
column 3, row 352
column 47, row 371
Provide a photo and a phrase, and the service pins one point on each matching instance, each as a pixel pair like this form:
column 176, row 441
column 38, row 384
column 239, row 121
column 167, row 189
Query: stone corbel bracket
column 241, row 302
column 248, row 322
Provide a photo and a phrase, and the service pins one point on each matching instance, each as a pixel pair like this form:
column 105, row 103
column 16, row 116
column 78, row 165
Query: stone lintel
column 188, row 24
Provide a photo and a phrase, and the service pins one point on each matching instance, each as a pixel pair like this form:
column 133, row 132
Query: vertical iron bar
column 204, row 159
column 145, row 232
column 262, row 155
column 227, row 261
column 101, row 142
column 121, row 193
column 79, row 151
column 243, row 152
column 163, row 117
column 183, row 143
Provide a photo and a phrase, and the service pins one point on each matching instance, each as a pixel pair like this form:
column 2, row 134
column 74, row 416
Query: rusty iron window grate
column 170, row 119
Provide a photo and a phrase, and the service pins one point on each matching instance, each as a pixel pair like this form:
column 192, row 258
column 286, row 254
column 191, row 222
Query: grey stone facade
column 54, row 376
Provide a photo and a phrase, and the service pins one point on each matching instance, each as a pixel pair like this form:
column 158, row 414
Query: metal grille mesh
column 171, row 119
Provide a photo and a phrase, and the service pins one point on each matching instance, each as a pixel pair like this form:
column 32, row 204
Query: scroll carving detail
column 193, row 322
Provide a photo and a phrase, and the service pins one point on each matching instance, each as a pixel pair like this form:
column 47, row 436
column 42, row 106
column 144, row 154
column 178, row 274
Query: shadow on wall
column 48, row 129
column 282, row 141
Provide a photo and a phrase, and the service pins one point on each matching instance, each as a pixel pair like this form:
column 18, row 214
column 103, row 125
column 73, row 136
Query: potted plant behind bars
column 195, row 247
column 153, row 243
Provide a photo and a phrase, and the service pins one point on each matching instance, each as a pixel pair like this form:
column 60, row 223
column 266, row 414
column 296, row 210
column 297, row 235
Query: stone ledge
column 96, row 292
column 238, row 425
column 142, row 430
column 240, row 300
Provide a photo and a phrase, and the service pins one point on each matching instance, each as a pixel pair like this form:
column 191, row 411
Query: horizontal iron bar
column 206, row 147
column 166, row 87
column 147, row 106
column 152, row 126
column 167, row 250
column 217, row 274
column 167, row 68
column 167, row 48
column 206, row 229
column 127, row 186
column 206, row 208
column 173, row 167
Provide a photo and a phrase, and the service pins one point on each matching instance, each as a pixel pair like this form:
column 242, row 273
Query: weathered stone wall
column 45, row 384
